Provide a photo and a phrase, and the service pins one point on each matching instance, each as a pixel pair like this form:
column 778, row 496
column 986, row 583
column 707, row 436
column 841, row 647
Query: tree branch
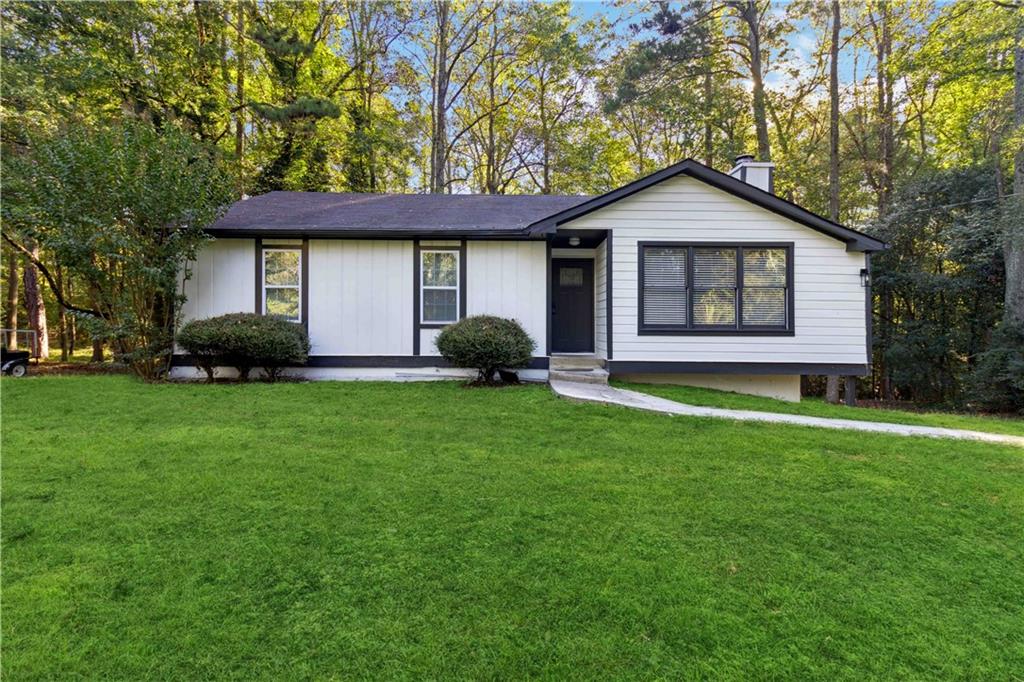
column 58, row 294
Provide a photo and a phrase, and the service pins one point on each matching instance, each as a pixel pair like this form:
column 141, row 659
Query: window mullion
column 689, row 287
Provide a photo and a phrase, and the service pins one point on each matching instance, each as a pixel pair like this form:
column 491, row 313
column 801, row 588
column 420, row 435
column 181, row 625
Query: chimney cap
column 744, row 158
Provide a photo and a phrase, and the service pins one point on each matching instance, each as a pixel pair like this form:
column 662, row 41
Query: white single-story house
column 687, row 275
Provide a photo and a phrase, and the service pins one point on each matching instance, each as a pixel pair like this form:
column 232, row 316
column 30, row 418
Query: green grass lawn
column 349, row 530
column 816, row 407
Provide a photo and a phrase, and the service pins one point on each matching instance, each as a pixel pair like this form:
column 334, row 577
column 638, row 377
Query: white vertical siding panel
column 829, row 300
column 428, row 341
column 360, row 300
column 223, row 279
column 508, row 279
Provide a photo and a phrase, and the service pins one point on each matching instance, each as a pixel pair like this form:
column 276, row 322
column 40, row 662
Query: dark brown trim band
column 385, row 361
column 417, row 324
column 304, row 283
column 258, row 305
column 512, row 234
column 303, row 278
column 608, row 292
column 462, row 279
column 416, row 297
column 869, row 316
column 671, row 367
column 381, row 361
column 547, row 315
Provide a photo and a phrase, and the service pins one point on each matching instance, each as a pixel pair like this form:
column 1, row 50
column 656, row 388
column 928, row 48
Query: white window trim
column 297, row 287
column 424, row 287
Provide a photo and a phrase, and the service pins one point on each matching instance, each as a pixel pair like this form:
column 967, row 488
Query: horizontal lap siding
column 360, row 297
column 223, row 280
column 508, row 279
column 829, row 300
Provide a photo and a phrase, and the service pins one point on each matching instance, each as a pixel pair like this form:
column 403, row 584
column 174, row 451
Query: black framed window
column 694, row 288
column 439, row 286
column 282, row 282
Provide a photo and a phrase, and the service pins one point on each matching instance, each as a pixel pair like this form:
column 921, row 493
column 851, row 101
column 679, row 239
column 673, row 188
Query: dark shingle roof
column 323, row 213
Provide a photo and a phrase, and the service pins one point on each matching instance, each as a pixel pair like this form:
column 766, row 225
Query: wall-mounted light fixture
column 574, row 241
column 865, row 277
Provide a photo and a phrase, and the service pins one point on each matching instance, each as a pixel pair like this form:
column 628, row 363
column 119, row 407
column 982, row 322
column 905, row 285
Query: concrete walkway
column 593, row 393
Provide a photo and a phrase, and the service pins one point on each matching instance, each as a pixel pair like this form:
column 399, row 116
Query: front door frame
column 553, row 261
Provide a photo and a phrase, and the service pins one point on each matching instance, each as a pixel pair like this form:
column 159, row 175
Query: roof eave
column 334, row 233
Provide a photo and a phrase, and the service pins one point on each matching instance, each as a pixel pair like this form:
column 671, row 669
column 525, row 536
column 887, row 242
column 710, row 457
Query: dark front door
column 572, row 305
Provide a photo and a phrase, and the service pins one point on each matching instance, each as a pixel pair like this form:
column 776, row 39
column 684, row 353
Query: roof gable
column 855, row 241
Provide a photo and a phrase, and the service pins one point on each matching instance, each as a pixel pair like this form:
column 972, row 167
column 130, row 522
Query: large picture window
column 439, row 287
column 282, row 283
column 715, row 288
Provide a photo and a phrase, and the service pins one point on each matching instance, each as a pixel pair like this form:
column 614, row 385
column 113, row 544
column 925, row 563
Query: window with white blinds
column 665, row 291
column 715, row 288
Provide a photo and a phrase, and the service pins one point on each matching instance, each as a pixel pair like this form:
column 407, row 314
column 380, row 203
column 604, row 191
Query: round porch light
column 574, row 241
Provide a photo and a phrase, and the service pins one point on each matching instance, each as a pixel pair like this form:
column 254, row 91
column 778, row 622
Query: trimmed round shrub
column 203, row 340
column 244, row 341
column 486, row 344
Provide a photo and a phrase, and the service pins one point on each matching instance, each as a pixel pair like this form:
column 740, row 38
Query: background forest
column 903, row 119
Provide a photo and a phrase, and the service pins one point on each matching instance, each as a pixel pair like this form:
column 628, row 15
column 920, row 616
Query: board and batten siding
column 222, row 281
column 829, row 301
column 360, row 297
column 507, row 279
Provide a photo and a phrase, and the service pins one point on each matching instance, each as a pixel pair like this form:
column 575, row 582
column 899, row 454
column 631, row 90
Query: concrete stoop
column 587, row 376
column 586, row 369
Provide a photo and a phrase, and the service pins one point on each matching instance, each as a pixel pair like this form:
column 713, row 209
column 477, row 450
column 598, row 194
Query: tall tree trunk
column 883, row 50
column 832, row 381
column 545, row 136
column 36, row 308
column 832, row 389
column 439, row 109
column 833, row 136
column 240, row 102
column 492, row 145
column 62, row 317
column 72, row 322
column 97, row 343
column 12, row 298
column 1013, row 246
column 709, row 140
column 751, row 17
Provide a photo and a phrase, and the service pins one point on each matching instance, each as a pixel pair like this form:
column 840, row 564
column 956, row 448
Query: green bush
column 244, row 341
column 487, row 344
column 203, row 339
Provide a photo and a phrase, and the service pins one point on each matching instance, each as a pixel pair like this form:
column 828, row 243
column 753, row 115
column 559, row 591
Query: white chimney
column 760, row 174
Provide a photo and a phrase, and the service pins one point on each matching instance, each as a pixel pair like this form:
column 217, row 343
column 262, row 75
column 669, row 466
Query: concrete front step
column 586, row 376
column 575, row 362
